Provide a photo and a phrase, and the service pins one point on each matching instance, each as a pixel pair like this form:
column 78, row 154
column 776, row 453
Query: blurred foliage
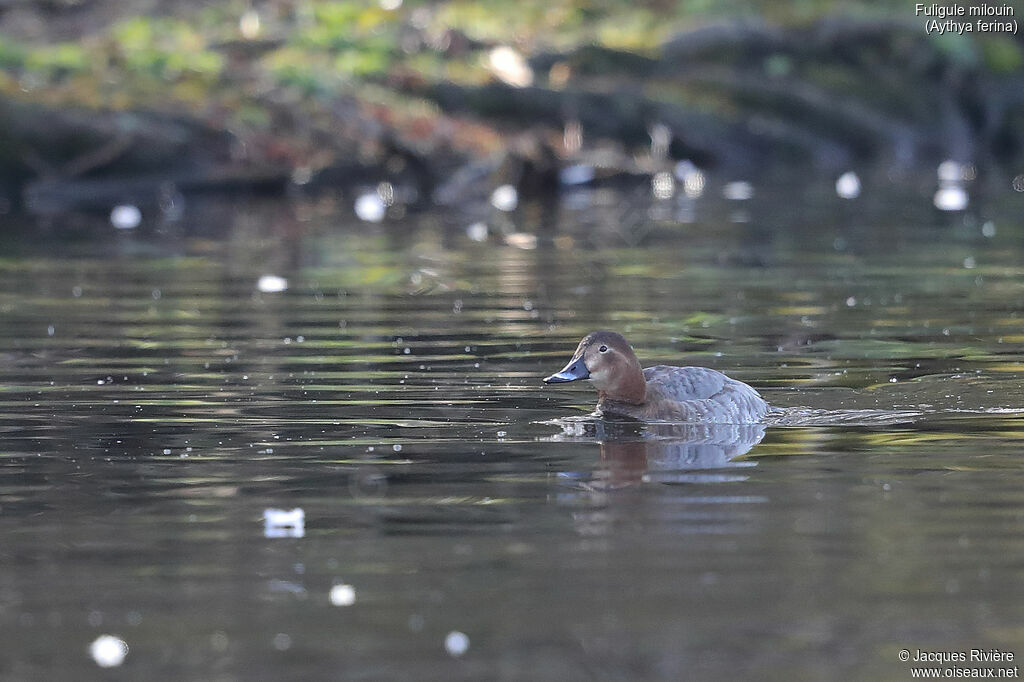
column 236, row 63
column 167, row 49
column 324, row 47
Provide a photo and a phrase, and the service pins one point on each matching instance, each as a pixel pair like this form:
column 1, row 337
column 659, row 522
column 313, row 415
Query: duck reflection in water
column 634, row 452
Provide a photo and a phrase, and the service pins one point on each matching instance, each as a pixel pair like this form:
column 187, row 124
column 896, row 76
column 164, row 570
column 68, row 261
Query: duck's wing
column 702, row 395
column 686, row 383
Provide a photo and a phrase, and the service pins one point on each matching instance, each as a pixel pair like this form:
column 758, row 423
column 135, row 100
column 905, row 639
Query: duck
column 659, row 393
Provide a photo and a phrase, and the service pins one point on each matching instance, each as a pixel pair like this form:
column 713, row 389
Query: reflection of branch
column 825, row 106
column 81, row 164
column 623, row 115
column 807, row 109
column 97, row 158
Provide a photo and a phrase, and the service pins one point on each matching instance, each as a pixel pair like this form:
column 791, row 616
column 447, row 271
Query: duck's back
column 694, row 394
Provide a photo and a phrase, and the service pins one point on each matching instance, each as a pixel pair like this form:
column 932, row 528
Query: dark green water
column 154, row 404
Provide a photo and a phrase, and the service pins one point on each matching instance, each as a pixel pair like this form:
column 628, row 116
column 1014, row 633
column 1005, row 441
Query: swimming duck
column 663, row 393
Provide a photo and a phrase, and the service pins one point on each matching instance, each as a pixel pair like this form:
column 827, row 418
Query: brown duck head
column 607, row 359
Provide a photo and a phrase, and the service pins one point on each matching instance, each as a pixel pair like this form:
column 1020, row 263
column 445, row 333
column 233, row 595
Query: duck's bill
column 574, row 371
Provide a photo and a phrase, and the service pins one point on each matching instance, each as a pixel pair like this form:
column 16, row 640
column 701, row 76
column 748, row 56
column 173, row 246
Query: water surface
column 155, row 403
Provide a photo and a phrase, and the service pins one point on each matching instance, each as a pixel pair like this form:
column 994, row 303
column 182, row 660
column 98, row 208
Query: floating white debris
column 456, row 643
column 343, row 595
column 108, row 651
column 284, row 523
column 738, row 191
column 390, row 5
column 951, row 195
column 848, row 185
column 272, row 284
column 370, row 207
column 663, row 185
column 951, row 198
column 988, row 229
column 509, row 66
column 521, row 240
column 691, row 177
column 950, row 171
column 577, row 174
column 477, row 232
column 125, row 217
column 282, row 641
column 505, row 198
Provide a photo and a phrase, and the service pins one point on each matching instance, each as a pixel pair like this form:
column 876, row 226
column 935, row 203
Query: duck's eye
column 603, row 349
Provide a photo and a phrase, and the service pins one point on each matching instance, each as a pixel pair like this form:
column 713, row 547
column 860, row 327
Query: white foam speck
column 370, row 207
column 949, row 171
column 456, row 643
column 343, row 595
column 691, row 177
column 663, row 185
column 848, row 185
column 284, row 523
column 951, row 198
column 272, row 284
column 108, row 651
column 125, row 217
column 477, row 232
column 505, row 198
